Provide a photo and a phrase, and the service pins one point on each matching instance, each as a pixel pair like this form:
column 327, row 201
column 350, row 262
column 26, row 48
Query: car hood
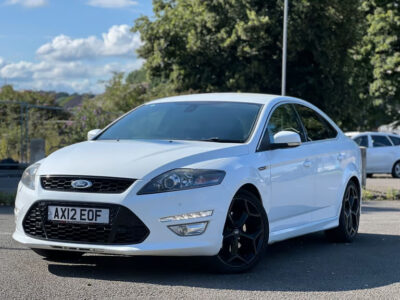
column 133, row 159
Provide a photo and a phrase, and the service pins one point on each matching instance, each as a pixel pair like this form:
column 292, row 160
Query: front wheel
column 245, row 235
column 349, row 219
column 396, row 170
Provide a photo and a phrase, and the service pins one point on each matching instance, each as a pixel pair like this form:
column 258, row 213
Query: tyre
column 370, row 175
column 349, row 219
column 396, row 170
column 245, row 235
column 58, row 255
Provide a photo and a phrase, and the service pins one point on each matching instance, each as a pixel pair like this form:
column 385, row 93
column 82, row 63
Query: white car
column 383, row 151
column 216, row 175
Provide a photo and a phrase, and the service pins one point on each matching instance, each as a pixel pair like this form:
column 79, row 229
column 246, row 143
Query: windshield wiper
column 218, row 140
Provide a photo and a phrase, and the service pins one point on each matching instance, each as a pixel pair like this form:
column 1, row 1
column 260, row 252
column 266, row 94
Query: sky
column 68, row 45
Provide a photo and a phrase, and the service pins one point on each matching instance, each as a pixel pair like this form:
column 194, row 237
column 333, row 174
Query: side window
column 317, row 128
column 283, row 118
column 362, row 141
column 380, row 141
column 395, row 140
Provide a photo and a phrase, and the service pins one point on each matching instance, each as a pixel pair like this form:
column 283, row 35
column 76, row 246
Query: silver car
column 383, row 151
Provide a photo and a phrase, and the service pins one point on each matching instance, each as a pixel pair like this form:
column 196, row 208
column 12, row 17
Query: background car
column 216, row 175
column 383, row 151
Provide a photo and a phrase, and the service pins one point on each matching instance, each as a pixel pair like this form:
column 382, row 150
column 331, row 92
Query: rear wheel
column 58, row 255
column 245, row 235
column 396, row 170
column 349, row 219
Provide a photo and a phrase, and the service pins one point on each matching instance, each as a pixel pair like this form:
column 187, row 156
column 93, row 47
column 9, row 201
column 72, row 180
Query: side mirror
column 286, row 139
column 93, row 133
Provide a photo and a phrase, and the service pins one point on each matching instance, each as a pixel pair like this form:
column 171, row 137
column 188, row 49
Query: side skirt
column 302, row 230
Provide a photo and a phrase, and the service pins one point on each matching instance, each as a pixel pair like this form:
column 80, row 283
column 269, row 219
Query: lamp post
column 284, row 43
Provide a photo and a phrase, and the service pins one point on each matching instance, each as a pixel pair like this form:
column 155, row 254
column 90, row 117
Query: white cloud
column 76, row 65
column 118, row 41
column 27, row 3
column 75, row 76
column 112, row 3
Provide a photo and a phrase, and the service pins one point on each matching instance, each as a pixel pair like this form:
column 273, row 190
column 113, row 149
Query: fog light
column 194, row 215
column 189, row 229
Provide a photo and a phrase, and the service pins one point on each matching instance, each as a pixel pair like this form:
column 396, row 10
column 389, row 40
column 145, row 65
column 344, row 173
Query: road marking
column 5, row 233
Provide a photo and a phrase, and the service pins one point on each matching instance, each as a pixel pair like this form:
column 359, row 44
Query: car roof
column 357, row 133
column 223, row 97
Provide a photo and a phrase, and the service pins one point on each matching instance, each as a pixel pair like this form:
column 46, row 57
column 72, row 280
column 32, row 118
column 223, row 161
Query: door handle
column 307, row 163
column 340, row 157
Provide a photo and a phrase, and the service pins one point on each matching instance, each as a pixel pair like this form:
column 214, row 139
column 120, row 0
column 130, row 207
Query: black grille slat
column 104, row 185
column 124, row 228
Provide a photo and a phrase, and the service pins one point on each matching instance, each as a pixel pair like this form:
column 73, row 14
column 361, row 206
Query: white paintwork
column 379, row 159
column 301, row 188
column 92, row 134
column 287, row 137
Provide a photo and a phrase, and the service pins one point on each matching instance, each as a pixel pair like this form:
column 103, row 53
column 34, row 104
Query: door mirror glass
column 286, row 139
column 93, row 133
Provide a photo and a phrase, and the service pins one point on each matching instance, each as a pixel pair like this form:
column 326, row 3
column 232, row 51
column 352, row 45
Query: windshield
column 202, row 121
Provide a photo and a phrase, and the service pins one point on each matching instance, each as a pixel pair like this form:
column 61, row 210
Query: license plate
column 78, row 214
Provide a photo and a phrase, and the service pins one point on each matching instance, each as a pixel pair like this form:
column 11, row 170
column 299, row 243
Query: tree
column 378, row 57
column 235, row 45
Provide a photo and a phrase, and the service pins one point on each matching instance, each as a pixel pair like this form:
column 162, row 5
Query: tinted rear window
column 395, row 140
column 317, row 128
column 380, row 141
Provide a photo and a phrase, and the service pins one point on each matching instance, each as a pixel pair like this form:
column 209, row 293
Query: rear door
column 328, row 159
column 381, row 154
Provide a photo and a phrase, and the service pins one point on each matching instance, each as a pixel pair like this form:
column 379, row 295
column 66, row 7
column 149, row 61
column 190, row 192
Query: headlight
column 182, row 179
column 28, row 177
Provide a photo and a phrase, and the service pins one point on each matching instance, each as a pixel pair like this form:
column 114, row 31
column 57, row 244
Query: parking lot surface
column 383, row 183
column 301, row 268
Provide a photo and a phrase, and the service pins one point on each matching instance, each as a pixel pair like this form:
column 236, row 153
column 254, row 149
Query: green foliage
column 378, row 57
column 236, row 46
column 137, row 76
column 121, row 96
column 343, row 56
column 7, row 199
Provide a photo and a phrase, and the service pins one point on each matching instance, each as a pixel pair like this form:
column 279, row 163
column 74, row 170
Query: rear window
column 395, row 140
column 317, row 128
column 380, row 141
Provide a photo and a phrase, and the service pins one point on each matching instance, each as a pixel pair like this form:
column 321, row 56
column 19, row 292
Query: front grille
column 105, row 185
column 125, row 228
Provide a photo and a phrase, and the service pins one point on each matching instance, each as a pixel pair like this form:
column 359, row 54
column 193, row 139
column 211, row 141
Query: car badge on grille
column 81, row 184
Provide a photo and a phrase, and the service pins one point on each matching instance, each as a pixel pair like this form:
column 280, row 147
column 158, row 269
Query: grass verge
column 390, row 194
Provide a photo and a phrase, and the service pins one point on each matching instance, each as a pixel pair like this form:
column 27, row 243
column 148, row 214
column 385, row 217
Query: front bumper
column 149, row 209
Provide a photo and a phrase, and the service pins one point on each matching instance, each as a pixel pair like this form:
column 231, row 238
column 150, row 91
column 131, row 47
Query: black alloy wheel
column 245, row 234
column 349, row 217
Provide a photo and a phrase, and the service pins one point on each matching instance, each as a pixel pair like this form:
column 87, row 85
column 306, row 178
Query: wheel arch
column 249, row 187
column 394, row 164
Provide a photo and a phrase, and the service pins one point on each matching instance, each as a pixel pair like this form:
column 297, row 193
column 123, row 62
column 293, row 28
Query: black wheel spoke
column 351, row 210
column 243, row 233
column 242, row 220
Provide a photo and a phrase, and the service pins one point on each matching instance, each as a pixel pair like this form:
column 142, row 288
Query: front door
column 291, row 176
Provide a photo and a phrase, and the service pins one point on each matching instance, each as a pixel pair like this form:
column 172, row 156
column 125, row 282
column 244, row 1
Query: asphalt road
column 301, row 268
